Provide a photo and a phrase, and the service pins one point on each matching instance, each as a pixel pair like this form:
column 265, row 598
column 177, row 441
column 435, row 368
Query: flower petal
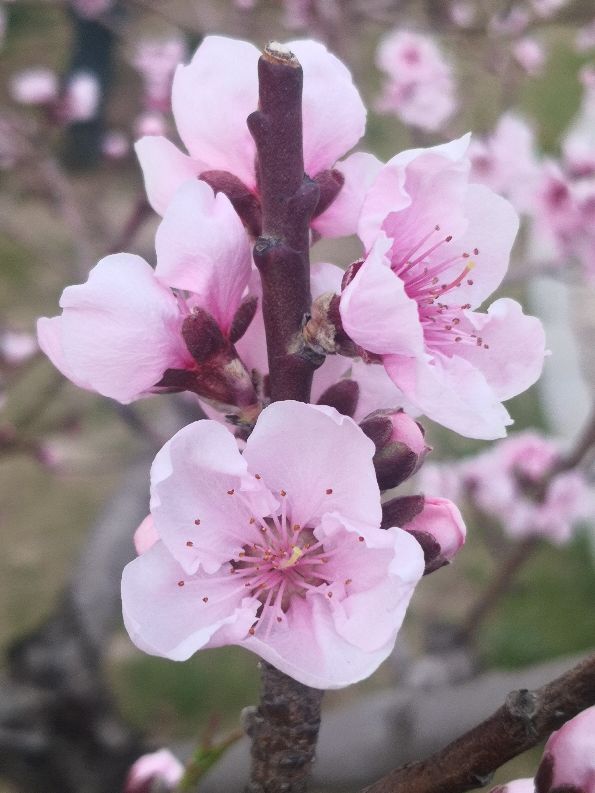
column 514, row 358
column 211, row 99
column 202, row 247
column 341, row 218
column 49, row 336
column 377, row 313
column 334, row 116
column 321, row 459
column 164, row 611
column 198, row 476
column 452, row 392
column 121, row 329
column 164, row 169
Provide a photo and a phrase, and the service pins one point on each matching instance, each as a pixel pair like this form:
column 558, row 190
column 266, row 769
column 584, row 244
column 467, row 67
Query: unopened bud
column 242, row 318
column 440, row 530
column 400, row 446
column 568, row 762
column 156, row 771
column 330, row 184
column 243, row 200
column 202, row 335
column 350, row 273
column 343, row 396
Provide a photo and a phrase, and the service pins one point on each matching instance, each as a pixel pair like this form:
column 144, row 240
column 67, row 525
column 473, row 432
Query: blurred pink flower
column 122, row 330
column 115, row 145
column 437, row 247
column 278, row 549
column 213, row 96
column 530, row 55
column 159, row 768
column 548, row 8
column 16, row 347
column 420, row 87
column 156, row 61
column 35, row 86
column 506, row 161
column 569, row 756
column 82, row 95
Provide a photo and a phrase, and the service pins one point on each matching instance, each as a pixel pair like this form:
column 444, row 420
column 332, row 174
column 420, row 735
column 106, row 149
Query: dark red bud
column 242, row 318
column 342, row 396
column 399, row 511
column 431, row 548
column 202, row 335
column 394, row 463
column 245, row 203
column 545, row 774
column 378, row 428
column 350, row 273
column 330, row 184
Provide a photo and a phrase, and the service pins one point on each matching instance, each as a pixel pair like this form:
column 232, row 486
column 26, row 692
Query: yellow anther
column 296, row 553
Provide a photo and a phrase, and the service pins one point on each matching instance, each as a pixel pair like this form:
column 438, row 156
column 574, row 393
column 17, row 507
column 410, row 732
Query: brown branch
column 288, row 199
column 525, row 719
column 284, row 727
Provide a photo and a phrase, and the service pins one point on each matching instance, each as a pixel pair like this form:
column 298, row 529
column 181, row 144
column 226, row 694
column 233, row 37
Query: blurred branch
column 525, row 719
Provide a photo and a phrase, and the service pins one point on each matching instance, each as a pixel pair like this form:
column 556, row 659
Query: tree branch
column 525, row 719
column 284, row 728
column 288, row 199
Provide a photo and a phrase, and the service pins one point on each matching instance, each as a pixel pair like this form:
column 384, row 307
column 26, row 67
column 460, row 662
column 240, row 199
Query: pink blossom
column 160, row 767
column 150, row 123
column 115, row 145
column 437, row 247
column 213, row 96
column 569, row 756
column 440, row 529
column 585, row 37
column 510, row 23
column 156, row 61
column 420, row 88
column 507, row 161
column 92, row 9
column 146, row 535
column 462, row 13
column 510, row 481
column 530, row 55
column 516, row 786
column 16, row 347
column 547, row 8
column 35, row 86
column 243, row 538
column 82, row 95
column 124, row 329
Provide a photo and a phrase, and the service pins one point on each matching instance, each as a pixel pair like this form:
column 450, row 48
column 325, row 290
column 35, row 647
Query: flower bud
column 242, row 318
column 436, row 524
column 202, row 335
column 156, row 771
column 568, row 761
column 343, row 396
column 400, row 445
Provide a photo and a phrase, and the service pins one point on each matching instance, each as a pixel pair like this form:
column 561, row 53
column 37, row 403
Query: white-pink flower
column 35, row 86
column 569, row 756
column 124, row 329
column 159, row 770
column 277, row 549
column 419, row 87
column 213, row 96
column 437, row 247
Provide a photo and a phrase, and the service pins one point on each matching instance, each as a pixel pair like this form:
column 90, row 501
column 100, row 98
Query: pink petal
column 211, row 99
column 334, row 116
column 341, row 218
column 377, row 313
column 164, row 169
column 526, row 785
column 492, row 228
column 442, row 519
column 377, row 390
column 121, row 329
column 452, row 392
column 389, row 193
column 572, row 749
column 321, row 459
column 49, row 336
column 145, row 536
column 516, row 347
column 198, row 476
column 202, row 247
column 309, row 648
column 169, row 619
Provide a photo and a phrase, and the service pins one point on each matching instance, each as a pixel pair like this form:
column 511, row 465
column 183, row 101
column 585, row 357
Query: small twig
column 141, row 211
column 583, row 446
column 500, row 584
column 525, row 719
